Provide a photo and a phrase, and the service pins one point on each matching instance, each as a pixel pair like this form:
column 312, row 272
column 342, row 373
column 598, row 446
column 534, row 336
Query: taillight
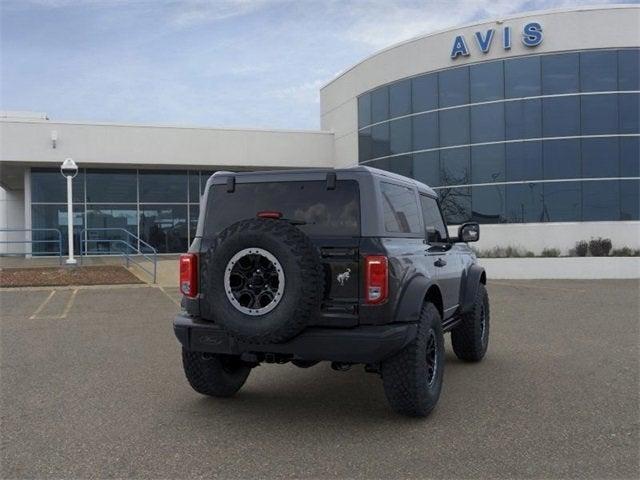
column 270, row 214
column 376, row 270
column 189, row 274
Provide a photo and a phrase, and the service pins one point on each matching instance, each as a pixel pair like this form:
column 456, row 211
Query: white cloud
column 193, row 12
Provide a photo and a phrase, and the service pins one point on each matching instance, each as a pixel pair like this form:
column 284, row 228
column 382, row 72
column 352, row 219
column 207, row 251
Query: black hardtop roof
column 266, row 175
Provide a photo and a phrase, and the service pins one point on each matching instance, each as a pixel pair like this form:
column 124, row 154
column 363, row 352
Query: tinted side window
column 433, row 223
column 400, row 209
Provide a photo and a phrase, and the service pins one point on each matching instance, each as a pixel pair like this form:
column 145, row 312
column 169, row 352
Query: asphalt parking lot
column 92, row 387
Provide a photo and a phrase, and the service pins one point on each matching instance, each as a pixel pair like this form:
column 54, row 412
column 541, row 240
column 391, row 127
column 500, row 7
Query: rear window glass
column 401, row 214
column 321, row 212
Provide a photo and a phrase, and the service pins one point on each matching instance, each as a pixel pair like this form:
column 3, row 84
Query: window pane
column 561, row 159
column 55, row 216
column 562, row 201
column 629, row 200
column 194, row 211
column 523, row 161
column 112, row 186
column 194, row 187
column 48, row 185
column 487, row 123
column 600, row 157
column 400, row 98
column 380, row 140
column 433, row 223
column 454, row 166
column 561, row 116
column 424, row 92
column 204, row 176
column 114, row 218
column 488, row 204
column 365, row 145
column 163, row 186
column 560, row 73
column 600, row 201
column 599, row 114
column 454, row 127
column 487, row 164
column 400, row 135
column 487, row 82
column 630, row 157
column 454, row 87
column 402, row 165
column 380, row 104
column 364, row 110
column 400, row 209
column 425, row 131
column 522, row 77
column 629, row 112
column 629, row 69
column 523, row 119
column 426, row 168
column 524, row 203
column 164, row 227
column 456, row 204
column 598, row 71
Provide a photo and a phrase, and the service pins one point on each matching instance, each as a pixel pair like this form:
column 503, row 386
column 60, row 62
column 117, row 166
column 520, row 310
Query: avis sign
column 531, row 37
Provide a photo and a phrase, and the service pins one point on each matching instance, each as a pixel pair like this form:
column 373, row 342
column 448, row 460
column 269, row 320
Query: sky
column 217, row 63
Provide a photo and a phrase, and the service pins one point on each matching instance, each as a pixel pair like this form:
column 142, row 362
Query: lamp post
column 69, row 169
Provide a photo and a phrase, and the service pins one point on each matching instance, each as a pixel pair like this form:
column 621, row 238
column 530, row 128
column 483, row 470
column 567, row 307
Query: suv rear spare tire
column 263, row 280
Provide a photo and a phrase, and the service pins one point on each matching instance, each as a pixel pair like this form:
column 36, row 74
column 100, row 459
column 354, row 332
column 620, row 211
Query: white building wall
column 11, row 216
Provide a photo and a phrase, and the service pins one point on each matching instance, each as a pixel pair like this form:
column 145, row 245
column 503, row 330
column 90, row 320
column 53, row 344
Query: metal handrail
column 150, row 256
column 32, row 241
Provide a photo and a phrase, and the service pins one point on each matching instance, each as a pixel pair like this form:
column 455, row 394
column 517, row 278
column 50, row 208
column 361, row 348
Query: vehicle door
column 441, row 254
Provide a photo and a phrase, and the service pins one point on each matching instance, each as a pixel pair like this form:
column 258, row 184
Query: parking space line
column 541, row 287
column 42, row 305
column 69, row 304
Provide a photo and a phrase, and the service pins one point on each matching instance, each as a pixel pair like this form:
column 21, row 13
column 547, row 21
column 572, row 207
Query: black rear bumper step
column 363, row 344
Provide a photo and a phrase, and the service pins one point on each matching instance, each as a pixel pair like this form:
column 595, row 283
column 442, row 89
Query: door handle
column 440, row 262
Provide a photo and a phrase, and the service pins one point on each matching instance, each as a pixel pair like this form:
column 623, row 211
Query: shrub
column 625, row 252
column 550, row 252
column 505, row 252
column 600, row 247
column 582, row 248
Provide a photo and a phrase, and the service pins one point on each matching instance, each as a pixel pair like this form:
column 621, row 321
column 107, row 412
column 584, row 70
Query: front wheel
column 214, row 375
column 412, row 378
column 470, row 339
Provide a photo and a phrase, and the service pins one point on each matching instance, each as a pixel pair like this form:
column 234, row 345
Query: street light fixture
column 69, row 169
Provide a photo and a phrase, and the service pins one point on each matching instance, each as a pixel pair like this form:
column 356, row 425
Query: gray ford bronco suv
column 349, row 266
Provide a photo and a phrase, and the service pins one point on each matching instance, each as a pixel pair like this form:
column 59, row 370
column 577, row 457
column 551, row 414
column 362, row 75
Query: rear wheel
column 470, row 339
column 413, row 377
column 214, row 375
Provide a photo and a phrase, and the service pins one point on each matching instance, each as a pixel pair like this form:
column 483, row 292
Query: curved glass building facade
column 536, row 138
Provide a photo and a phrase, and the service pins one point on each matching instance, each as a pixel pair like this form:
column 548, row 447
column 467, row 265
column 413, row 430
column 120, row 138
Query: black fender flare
column 474, row 277
column 412, row 299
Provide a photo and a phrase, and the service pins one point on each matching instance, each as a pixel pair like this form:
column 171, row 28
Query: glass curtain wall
column 541, row 138
column 113, row 207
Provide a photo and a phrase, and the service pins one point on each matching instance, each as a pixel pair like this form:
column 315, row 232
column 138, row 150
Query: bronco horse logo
column 343, row 277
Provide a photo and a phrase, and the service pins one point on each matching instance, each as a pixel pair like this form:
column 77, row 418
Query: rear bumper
column 363, row 344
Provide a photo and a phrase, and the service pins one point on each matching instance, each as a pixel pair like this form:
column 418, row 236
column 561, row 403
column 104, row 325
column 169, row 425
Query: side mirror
column 469, row 232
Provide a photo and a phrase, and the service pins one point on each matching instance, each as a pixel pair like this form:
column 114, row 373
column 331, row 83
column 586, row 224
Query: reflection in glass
column 600, row 157
column 454, row 87
column 364, row 110
column 164, row 227
column 487, row 123
column 488, row 204
column 400, row 135
column 454, row 127
column 561, row 159
column 600, row 200
column 194, row 211
column 55, row 216
column 380, row 140
column 629, row 112
column 523, row 161
column 487, row 163
column 455, row 204
column 112, row 186
column 630, row 200
column 380, row 104
column 424, row 92
column 560, row 73
column 562, row 201
column 454, row 166
column 629, row 69
column 48, row 185
column 400, row 98
column 599, row 114
column 630, row 157
column 523, row 119
column 113, row 217
column 487, row 81
column 561, row 116
column 204, row 176
column 522, row 77
column 426, row 168
column 163, row 186
column 425, row 131
column 599, row 71
column 365, row 145
column 402, row 165
column 194, row 187
column 524, row 203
